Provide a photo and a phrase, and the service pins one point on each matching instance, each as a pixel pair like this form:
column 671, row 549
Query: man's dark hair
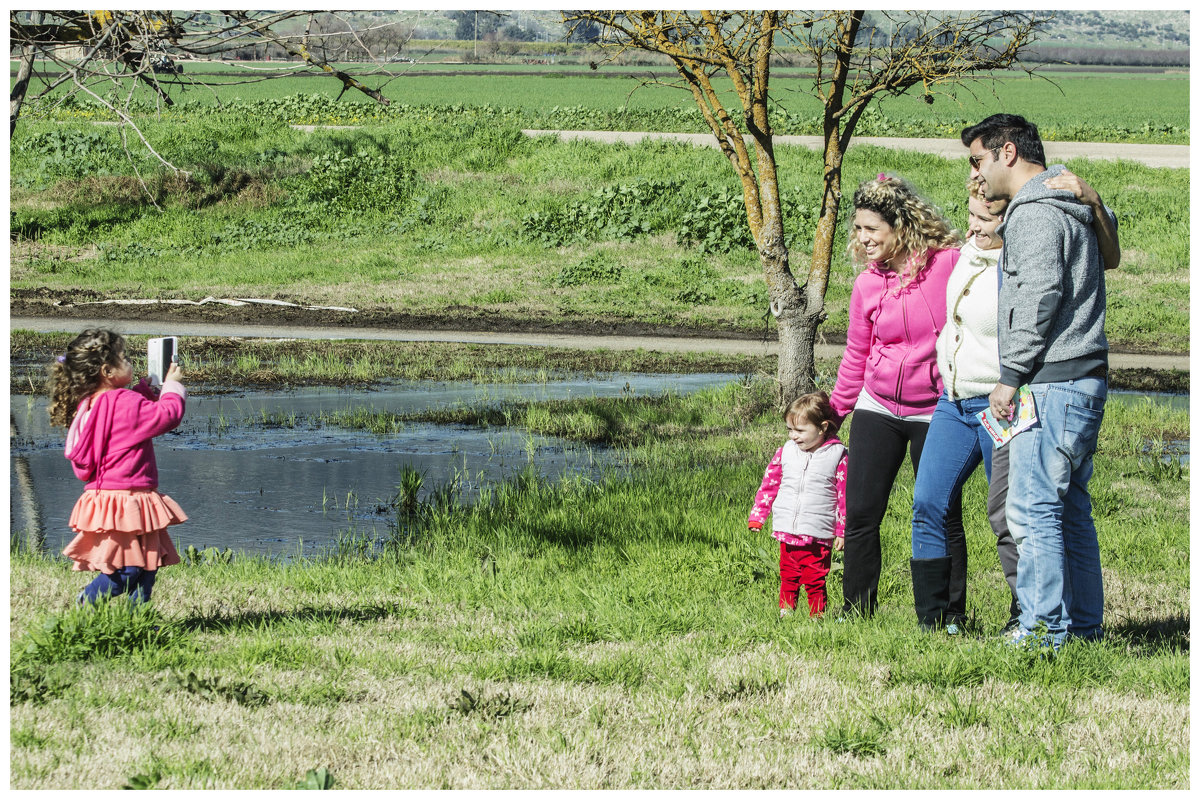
column 997, row 129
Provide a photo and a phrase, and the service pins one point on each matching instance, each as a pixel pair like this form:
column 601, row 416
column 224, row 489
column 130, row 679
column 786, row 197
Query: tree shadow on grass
column 223, row 621
column 1174, row 632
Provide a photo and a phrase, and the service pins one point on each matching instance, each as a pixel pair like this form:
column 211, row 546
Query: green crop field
column 1101, row 107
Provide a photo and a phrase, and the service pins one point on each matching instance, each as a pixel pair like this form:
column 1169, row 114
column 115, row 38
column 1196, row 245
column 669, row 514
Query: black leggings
column 877, row 445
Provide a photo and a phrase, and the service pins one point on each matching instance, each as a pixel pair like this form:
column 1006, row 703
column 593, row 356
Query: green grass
column 613, row 634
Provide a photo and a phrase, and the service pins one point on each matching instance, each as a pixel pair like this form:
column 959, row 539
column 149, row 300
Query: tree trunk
column 796, row 370
column 17, row 98
column 822, row 255
column 797, row 354
column 798, row 321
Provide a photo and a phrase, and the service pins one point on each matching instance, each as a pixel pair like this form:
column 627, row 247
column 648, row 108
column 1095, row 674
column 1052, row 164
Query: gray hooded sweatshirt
column 1051, row 314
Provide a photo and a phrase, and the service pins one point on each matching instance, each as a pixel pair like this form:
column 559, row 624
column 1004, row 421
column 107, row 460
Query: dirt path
column 663, row 344
column 1176, row 156
column 1152, row 155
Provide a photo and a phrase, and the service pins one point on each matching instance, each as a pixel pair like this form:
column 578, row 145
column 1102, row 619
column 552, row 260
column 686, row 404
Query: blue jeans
column 1049, row 510
column 955, row 445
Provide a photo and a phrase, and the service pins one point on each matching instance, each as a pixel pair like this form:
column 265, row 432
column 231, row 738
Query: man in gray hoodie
column 1051, row 331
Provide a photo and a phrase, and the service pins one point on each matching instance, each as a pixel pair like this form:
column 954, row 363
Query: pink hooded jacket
column 891, row 339
column 108, row 442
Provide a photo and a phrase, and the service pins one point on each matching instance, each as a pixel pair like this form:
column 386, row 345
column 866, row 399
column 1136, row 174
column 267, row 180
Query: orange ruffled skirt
column 118, row 528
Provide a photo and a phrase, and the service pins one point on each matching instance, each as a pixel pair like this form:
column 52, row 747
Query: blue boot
column 126, row 579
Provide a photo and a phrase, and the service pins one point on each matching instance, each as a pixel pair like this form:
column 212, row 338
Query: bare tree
column 104, row 54
column 854, row 65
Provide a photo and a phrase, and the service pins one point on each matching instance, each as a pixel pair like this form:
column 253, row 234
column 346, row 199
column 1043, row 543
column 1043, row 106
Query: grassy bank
column 619, row 634
column 472, row 220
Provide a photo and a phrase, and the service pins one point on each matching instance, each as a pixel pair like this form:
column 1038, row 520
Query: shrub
column 67, row 153
column 596, row 268
column 621, row 213
column 359, row 181
column 715, row 221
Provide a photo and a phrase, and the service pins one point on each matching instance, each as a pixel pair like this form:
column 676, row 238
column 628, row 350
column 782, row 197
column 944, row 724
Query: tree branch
column 348, row 81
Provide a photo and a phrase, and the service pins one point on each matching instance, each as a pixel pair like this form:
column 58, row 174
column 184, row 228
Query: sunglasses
column 974, row 160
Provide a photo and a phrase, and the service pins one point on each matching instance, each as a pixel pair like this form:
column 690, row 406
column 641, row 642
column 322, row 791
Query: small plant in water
column 194, row 557
column 218, row 425
column 408, row 489
column 1160, row 462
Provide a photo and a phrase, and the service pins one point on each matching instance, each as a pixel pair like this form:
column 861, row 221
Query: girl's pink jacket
column 891, row 339
column 111, row 448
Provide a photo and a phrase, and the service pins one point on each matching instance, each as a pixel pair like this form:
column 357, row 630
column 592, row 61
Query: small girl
column 804, row 489
column 121, row 520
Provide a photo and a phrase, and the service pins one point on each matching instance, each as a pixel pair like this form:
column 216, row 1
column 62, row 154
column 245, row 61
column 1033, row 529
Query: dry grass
column 379, row 703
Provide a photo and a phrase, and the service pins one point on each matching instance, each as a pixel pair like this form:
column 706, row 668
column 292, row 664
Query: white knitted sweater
column 968, row 348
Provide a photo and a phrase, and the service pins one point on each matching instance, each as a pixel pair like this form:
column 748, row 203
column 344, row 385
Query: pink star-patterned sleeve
column 839, row 516
column 767, row 492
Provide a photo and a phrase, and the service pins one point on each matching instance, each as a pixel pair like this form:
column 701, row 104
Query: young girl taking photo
column 121, row 519
column 804, row 492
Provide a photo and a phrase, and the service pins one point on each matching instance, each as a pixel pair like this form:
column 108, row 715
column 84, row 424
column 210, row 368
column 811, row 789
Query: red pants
column 806, row 565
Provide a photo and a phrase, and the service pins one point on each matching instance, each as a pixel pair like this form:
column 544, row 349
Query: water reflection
column 291, row 490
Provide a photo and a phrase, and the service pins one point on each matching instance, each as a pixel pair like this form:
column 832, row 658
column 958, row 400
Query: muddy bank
column 397, row 338
column 224, row 364
column 45, row 302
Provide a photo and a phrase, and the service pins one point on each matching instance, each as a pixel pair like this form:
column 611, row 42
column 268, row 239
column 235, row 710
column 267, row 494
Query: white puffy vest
column 807, row 496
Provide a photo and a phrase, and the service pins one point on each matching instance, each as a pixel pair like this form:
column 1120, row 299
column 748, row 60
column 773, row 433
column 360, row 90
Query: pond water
column 292, row 491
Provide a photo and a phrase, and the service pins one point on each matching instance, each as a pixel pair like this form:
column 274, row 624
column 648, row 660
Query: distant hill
column 1167, row 30
column 1150, row 38
column 1164, row 30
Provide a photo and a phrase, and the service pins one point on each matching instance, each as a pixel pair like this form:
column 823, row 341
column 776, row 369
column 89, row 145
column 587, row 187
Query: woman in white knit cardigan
column 969, row 363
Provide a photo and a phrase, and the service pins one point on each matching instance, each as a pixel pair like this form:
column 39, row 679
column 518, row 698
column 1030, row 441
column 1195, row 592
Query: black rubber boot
column 956, row 599
column 931, row 590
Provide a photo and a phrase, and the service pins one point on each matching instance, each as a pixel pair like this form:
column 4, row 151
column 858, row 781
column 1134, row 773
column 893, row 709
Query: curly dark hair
column 77, row 374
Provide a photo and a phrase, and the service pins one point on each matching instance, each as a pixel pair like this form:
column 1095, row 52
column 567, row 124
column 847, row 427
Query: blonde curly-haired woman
column 889, row 376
